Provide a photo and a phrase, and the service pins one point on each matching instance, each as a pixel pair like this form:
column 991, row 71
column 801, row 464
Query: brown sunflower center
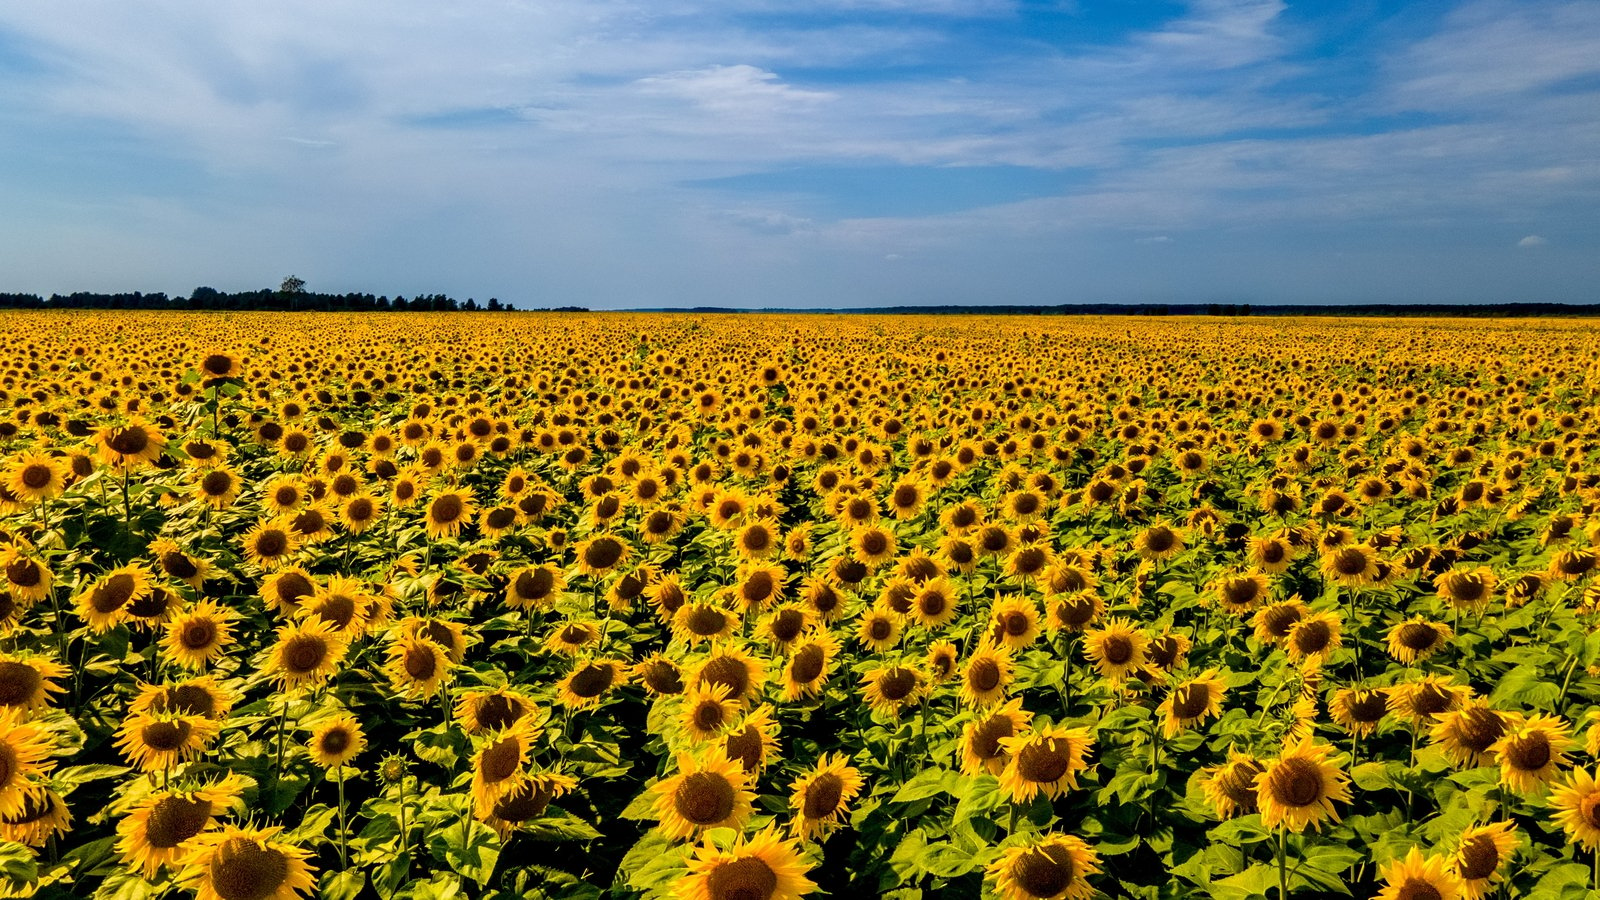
column 880, row 629
column 19, row 682
column 535, row 584
column 592, row 680
column 271, row 543
column 218, row 364
column 1296, row 782
column 709, row 715
column 746, row 878
column 500, row 760
column 747, row 747
column 37, row 475
column 704, row 798
column 112, row 594
column 243, row 869
column 1159, row 539
column 602, row 553
column 985, row 739
column 1417, row 636
column 1368, row 706
column 1190, row 700
column 1043, row 871
column 897, row 683
column 1015, row 623
column 1116, row 649
column 179, row 565
column 822, row 797
column 1237, row 783
column 806, row 665
column 165, row 737
column 174, row 820
column 1479, row 728
column 421, row 663
column 1479, row 858
column 305, row 654
column 128, row 441
column 497, row 711
column 758, row 587
column 193, row 699
column 1430, row 700
column 216, row 483
column 984, row 674
column 1418, row 889
column 787, row 624
column 1350, row 562
column 1529, row 752
column 446, row 509
column 1043, row 761
column 336, row 741
column 24, row 573
column 1313, row 637
column 521, row 805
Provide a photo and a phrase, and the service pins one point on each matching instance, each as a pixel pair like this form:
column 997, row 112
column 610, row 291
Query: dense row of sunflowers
column 755, row 609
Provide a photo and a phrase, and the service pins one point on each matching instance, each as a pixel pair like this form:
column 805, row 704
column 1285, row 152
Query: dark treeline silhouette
column 273, row 300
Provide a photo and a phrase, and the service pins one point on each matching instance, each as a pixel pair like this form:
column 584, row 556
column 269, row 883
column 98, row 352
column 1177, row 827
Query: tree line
column 290, row 296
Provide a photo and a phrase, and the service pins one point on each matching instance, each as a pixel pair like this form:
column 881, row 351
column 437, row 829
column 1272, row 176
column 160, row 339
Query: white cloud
column 1532, row 240
column 739, row 89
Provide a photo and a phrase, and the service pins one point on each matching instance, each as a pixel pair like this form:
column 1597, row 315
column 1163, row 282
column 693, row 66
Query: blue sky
column 617, row 153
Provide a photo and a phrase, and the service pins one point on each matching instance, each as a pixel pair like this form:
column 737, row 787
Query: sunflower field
column 760, row 608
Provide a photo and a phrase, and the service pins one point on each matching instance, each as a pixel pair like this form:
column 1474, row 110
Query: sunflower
column 879, row 629
column 1270, row 554
column 1300, row 787
column 786, row 624
column 982, row 747
column 447, row 512
column 359, row 512
column 283, row 494
column 1118, row 650
column 1013, row 622
column 660, row 675
column 235, row 862
column 1158, row 542
column 284, row 590
column 757, row 586
column 217, row 487
column 753, row 742
column 1273, row 621
column 890, row 689
column 527, row 801
column 761, row 867
column 131, row 445
column 307, row 653
column 450, row 636
column 1192, row 702
column 601, row 554
column 1417, row 638
column 1532, row 752
column 500, row 765
column 709, row 791
column 934, row 603
column 336, row 741
column 270, row 542
column 25, row 752
column 985, row 676
column 1073, row 613
column 806, row 669
column 1359, row 710
column 1230, row 788
column 1466, row 590
column 1046, row 762
column 1315, row 635
column 156, row 742
column 1048, row 867
column 821, row 796
column 940, row 661
column 589, row 682
column 872, row 545
column 35, row 477
column 28, row 580
column 42, row 815
column 27, row 681
column 1241, row 593
column 569, row 638
column 202, row 696
column 534, row 587
column 1352, row 565
column 1468, row 732
column 707, row 711
column 161, row 827
column 1417, row 876
column 104, row 604
column 1480, row 859
column 1425, row 698
column 480, row 712
column 175, row 563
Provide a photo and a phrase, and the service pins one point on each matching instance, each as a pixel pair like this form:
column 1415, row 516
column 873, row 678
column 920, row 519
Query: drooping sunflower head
column 1532, row 752
column 1417, row 638
column 235, row 862
column 1468, row 733
column 1230, row 788
column 761, row 867
column 1360, row 710
column 660, row 675
column 983, row 747
column 1048, row 867
column 590, row 681
column 481, row 711
column 1192, row 702
column 161, row 826
column 806, row 670
column 1482, row 856
column 156, row 741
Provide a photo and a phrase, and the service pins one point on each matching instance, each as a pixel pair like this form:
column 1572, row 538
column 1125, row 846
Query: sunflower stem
column 344, row 856
column 1283, row 862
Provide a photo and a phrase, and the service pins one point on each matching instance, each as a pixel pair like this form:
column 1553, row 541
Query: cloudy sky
column 619, row 153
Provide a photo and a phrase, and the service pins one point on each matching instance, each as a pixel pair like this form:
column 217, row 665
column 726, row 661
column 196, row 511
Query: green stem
column 1283, row 862
column 344, row 854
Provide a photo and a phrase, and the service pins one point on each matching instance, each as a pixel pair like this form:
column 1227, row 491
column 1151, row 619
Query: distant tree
column 494, row 304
